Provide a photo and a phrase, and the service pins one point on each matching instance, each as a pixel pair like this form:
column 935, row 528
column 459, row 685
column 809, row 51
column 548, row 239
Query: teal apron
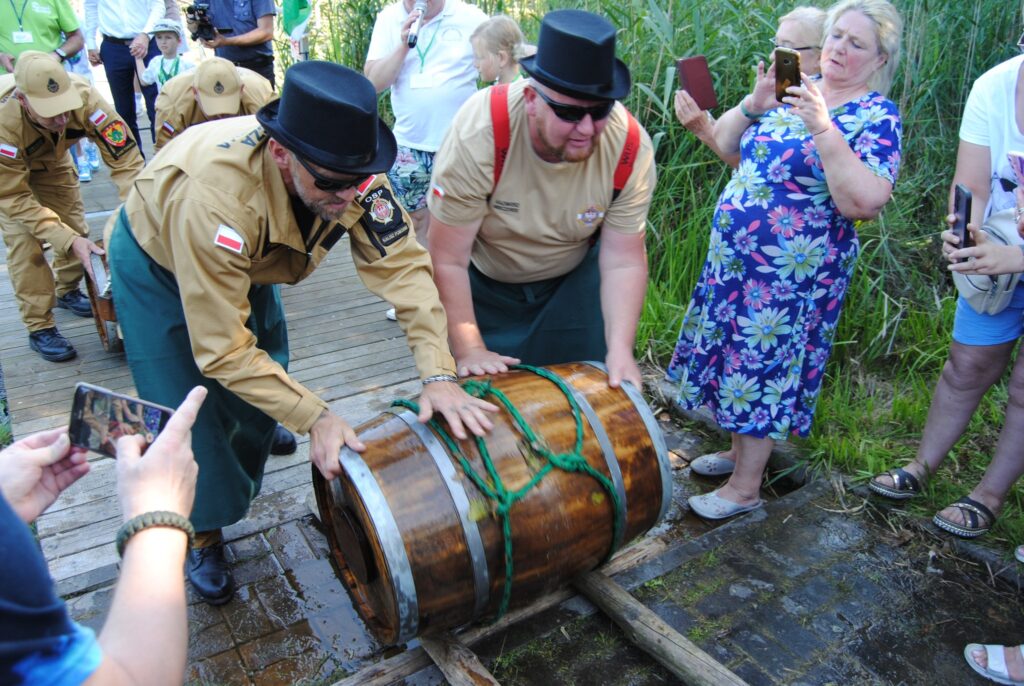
column 543, row 322
column 231, row 438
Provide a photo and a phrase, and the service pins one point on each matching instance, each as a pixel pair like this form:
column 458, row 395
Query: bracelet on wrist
column 440, row 377
column 824, row 130
column 747, row 113
column 150, row 519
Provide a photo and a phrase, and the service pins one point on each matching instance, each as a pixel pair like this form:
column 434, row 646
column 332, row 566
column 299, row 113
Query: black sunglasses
column 576, row 113
column 328, row 184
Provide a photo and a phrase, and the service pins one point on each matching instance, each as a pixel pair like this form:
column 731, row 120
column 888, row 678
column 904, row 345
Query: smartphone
column 787, row 71
column 100, row 416
column 695, row 79
column 962, row 211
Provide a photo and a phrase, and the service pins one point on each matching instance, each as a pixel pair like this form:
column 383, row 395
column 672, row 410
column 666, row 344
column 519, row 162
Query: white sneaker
column 390, row 314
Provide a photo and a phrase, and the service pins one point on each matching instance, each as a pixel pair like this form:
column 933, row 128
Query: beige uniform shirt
column 213, row 209
column 538, row 222
column 28, row 151
column 177, row 109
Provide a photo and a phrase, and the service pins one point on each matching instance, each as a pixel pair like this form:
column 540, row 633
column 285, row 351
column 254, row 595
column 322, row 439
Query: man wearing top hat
column 521, row 272
column 215, row 90
column 43, row 112
column 224, row 212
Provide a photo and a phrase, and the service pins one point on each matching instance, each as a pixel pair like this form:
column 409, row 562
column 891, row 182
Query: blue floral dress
column 759, row 328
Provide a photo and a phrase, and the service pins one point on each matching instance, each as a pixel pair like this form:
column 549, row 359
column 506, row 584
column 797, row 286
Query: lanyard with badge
column 21, row 35
column 421, row 80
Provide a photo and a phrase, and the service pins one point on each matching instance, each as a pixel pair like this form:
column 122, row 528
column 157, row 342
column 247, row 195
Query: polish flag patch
column 98, row 117
column 8, row 151
column 229, row 239
column 166, row 126
column 365, row 185
column 438, row 191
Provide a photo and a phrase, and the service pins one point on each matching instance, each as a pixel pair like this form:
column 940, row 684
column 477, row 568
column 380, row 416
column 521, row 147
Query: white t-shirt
column 437, row 75
column 990, row 120
column 160, row 70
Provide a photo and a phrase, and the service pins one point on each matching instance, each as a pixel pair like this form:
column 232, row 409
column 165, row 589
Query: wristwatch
column 61, row 54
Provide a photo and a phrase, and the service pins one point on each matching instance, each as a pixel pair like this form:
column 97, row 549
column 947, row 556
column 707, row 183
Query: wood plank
column 653, row 635
column 460, row 666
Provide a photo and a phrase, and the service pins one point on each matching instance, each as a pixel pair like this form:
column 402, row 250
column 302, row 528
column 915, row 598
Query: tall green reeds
column 894, row 332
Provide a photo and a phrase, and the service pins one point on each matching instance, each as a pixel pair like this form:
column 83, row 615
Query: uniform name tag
column 8, row 151
column 229, row 239
column 21, row 36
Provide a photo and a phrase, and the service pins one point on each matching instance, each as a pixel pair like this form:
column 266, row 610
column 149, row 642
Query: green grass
column 894, row 332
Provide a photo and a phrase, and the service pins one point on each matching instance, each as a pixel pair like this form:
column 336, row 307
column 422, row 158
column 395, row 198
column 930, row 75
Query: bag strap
column 503, row 136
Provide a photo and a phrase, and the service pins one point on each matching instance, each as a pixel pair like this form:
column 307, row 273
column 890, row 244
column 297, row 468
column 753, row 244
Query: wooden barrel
column 418, row 545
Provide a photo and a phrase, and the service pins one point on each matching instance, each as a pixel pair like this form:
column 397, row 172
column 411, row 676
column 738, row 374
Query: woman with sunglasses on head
column 758, row 331
column 799, row 30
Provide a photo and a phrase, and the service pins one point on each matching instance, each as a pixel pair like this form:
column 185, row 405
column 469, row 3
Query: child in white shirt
column 169, row 63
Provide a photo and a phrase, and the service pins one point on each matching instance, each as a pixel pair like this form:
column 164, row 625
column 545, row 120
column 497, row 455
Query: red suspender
column 502, row 140
column 502, row 135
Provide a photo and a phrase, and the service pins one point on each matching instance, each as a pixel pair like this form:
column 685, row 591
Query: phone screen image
column 962, row 211
column 787, row 71
column 100, row 416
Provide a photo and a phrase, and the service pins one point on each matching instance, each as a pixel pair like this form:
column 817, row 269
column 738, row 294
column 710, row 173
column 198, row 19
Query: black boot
column 50, row 345
column 283, row 443
column 210, row 574
column 76, row 302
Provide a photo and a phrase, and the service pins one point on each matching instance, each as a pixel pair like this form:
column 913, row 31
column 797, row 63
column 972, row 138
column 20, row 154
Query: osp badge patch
column 590, row 216
column 116, row 139
column 382, row 217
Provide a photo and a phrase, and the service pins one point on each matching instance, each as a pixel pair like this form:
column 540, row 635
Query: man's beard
column 317, row 207
column 560, row 152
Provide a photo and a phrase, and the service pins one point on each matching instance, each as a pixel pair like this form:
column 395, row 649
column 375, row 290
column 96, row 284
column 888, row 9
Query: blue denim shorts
column 410, row 177
column 972, row 328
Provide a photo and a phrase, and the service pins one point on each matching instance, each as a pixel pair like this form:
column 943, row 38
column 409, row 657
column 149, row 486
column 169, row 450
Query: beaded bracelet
column 749, row 115
column 151, row 519
column 440, row 377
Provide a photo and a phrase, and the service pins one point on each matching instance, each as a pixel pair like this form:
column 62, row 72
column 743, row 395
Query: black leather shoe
column 76, row 302
column 210, row 574
column 50, row 345
column 283, row 443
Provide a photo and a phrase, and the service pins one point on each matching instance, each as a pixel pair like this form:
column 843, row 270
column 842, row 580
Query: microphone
column 414, row 30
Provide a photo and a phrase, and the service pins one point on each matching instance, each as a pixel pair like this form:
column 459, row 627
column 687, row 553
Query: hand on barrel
column 326, row 437
column 622, row 367
column 480, row 361
column 461, row 410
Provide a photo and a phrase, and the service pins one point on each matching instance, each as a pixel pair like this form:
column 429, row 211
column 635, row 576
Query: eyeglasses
column 576, row 113
column 326, row 183
column 776, row 44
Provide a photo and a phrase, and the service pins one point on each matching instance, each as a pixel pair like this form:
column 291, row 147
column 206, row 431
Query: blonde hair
column 888, row 31
column 501, row 32
column 810, row 18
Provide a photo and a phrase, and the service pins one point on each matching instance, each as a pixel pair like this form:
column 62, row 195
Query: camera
column 197, row 17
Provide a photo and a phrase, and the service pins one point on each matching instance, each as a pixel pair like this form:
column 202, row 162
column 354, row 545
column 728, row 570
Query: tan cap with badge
column 219, row 87
column 42, row 79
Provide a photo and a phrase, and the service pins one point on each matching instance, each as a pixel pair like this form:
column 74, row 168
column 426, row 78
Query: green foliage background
column 894, row 332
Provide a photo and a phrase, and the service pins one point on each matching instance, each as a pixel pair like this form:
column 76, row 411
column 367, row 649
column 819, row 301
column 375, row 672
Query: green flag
column 295, row 18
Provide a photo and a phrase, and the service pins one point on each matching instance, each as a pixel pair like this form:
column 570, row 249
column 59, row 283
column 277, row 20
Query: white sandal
column 996, row 670
column 712, row 464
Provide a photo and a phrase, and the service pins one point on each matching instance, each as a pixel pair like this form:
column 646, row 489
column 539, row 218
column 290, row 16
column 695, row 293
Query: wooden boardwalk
column 342, row 347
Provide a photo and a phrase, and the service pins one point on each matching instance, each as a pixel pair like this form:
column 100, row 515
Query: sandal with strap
column 978, row 519
column 904, row 485
column 996, row 661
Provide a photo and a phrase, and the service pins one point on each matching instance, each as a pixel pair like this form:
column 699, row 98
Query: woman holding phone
column 759, row 327
column 801, row 30
column 982, row 344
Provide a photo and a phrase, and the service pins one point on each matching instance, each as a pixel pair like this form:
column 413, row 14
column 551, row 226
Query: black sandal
column 904, row 485
column 978, row 519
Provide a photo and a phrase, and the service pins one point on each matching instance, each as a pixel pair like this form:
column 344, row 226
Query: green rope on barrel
column 494, row 488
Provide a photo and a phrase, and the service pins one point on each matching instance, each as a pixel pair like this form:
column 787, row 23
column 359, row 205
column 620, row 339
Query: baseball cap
column 166, row 26
column 219, row 86
column 45, row 83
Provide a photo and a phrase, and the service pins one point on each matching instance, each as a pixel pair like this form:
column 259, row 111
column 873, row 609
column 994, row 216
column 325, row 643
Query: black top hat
column 576, row 56
column 327, row 113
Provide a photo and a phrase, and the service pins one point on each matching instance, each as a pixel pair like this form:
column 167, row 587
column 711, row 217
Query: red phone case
column 695, row 79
